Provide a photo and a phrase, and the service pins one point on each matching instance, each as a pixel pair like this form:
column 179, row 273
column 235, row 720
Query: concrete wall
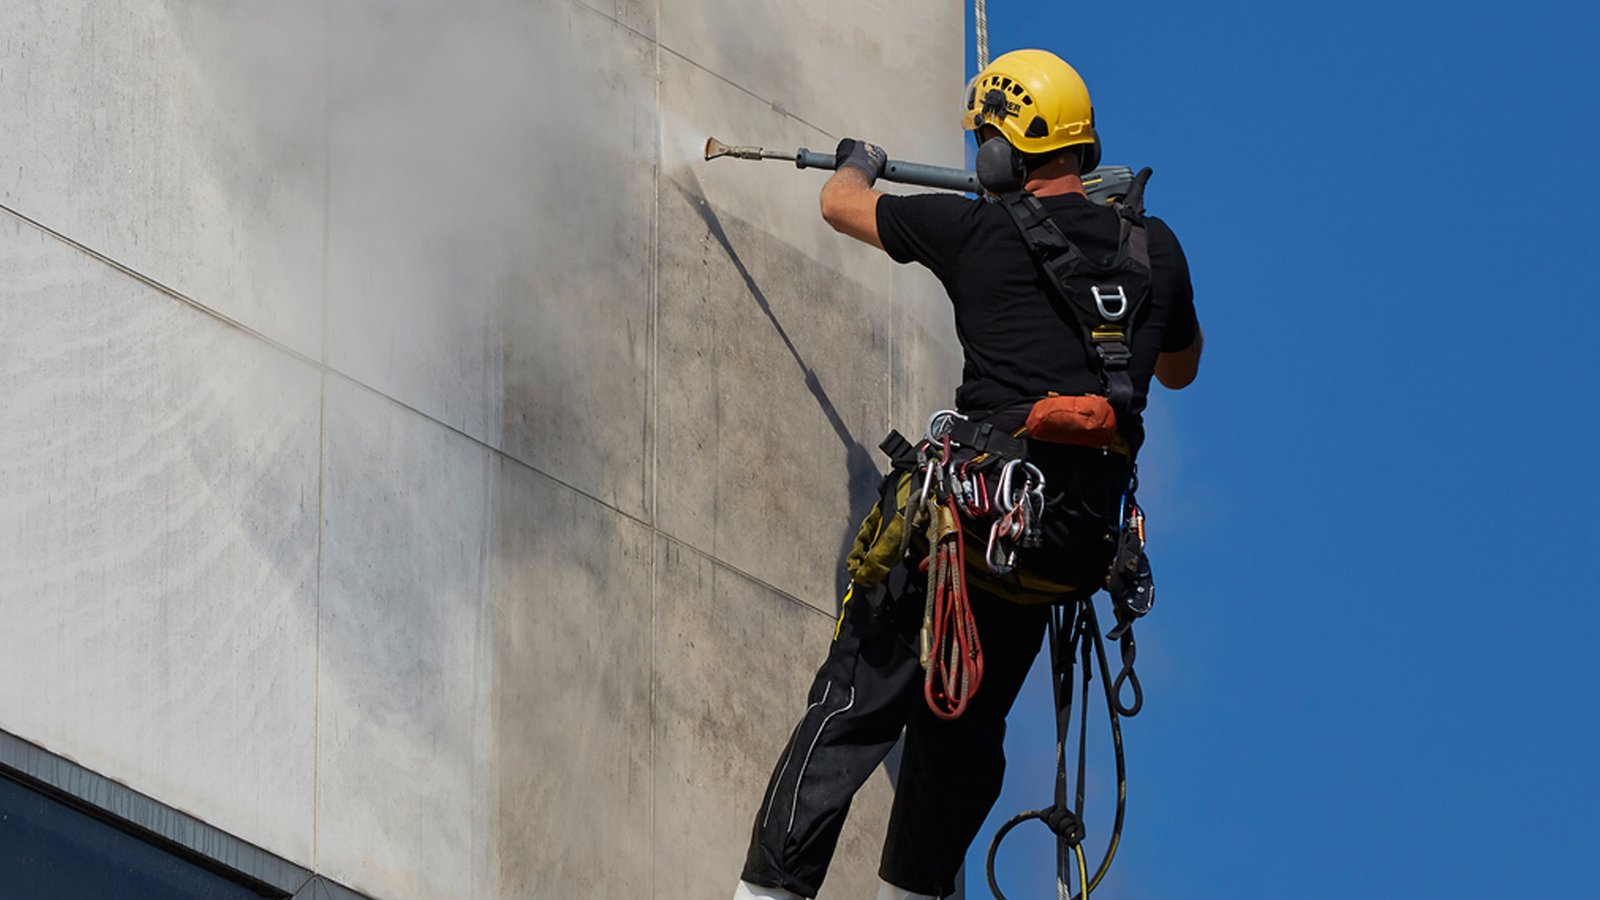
column 413, row 459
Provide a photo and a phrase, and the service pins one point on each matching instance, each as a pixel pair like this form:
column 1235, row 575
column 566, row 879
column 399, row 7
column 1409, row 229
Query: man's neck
column 1045, row 186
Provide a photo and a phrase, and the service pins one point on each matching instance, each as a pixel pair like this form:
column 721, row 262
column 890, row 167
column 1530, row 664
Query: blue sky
column 1371, row 664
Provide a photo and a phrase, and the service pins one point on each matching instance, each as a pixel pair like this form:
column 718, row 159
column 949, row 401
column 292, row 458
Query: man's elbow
column 833, row 210
column 1178, row 370
column 1175, row 379
column 853, row 213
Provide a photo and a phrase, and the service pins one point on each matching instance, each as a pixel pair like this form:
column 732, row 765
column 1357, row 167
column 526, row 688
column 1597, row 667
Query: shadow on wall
column 861, row 472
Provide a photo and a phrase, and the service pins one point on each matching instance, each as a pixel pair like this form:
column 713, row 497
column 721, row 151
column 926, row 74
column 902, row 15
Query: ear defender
column 1090, row 158
column 1000, row 167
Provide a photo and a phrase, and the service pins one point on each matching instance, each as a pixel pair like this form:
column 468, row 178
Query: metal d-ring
column 939, row 424
column 1100, row 299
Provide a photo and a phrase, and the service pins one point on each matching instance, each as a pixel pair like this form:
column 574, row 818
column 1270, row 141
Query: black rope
column 1074, row 635
column 1127, row 675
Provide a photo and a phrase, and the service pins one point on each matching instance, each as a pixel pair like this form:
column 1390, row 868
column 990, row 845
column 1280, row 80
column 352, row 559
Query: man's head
column 1039, row 104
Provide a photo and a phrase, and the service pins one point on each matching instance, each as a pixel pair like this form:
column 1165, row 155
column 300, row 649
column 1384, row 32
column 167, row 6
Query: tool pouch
column 880, row 542
column 1087, row 420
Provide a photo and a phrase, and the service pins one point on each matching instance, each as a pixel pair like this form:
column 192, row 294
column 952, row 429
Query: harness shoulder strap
column 1105, row 312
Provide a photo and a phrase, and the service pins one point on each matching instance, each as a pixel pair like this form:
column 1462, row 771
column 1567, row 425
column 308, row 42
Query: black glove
column 869, row 158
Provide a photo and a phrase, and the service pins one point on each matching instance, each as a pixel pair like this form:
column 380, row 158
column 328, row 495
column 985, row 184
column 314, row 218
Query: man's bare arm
column 850, row 205
column 1177, row 370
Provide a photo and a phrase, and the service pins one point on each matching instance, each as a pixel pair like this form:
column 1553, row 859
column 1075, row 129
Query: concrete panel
column 572, row 676
column 492, row 197
column 888, row 72
column 733, row 662
column 577, row 341
column 404, row 767
column 637, row 15
column 184, row 140
column 772, row 362
column 158, row 543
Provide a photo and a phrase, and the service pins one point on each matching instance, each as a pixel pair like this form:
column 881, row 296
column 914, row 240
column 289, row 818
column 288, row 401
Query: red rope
column 955, row 660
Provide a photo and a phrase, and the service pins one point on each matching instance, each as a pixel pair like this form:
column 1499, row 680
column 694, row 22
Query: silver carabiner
column 1002, row 491
column 999, row 565
column 1035, row 487
column 927, row 484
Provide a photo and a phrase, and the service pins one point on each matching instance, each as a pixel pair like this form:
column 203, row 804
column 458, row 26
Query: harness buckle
column 1111, row 345
column 1118, row 295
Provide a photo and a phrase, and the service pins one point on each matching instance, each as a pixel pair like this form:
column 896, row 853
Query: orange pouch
column 1087, row 420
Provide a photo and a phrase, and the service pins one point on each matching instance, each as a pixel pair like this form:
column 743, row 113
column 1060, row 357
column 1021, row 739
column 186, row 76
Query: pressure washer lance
column 1103, row 185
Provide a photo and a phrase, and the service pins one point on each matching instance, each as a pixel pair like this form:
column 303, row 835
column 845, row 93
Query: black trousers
column 868, row 690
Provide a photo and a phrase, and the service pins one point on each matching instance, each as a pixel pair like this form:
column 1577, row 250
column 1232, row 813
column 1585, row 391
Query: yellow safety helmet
column 1037, row 101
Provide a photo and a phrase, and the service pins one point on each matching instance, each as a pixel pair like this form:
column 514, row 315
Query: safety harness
column 1104, row 300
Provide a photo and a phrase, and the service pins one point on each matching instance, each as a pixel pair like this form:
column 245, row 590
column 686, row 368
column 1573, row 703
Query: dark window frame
column 152, row 821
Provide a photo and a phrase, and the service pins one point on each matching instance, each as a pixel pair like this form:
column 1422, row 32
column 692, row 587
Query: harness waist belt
column 985, row 438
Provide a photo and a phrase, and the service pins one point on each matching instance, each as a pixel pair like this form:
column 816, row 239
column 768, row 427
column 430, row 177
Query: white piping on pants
column 787, row 756
column 801, row 779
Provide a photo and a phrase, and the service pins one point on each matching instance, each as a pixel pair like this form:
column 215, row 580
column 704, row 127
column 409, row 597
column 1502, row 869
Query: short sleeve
column 924, row 228
column 1172, row 280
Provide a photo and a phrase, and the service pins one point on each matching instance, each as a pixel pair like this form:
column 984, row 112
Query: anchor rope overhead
column 980, row 24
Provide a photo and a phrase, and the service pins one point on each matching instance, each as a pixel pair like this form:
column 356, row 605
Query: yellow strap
column 839, row 625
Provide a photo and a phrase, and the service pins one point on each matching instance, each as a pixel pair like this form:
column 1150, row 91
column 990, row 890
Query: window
column 51, row 850
column 67, row 833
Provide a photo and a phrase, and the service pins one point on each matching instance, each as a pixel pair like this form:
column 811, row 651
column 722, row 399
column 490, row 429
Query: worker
column 1020, row 345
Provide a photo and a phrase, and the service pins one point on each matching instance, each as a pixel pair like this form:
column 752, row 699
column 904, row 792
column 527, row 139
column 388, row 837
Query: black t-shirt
column 1018, row 345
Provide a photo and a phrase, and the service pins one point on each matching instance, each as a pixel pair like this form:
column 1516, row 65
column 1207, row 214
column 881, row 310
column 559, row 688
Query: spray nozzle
column 895, row 170
column 716, row 148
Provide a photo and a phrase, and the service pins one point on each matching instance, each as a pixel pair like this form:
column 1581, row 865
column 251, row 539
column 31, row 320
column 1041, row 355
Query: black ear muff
column 1000, row 168
column 1089, row 158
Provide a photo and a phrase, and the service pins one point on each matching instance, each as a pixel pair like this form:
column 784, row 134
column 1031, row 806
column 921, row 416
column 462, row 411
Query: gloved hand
column 869, row 158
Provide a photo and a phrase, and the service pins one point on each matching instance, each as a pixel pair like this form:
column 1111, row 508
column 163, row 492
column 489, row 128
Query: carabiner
column 1002, row 492
column 927, row 484
column 999, row 565
column 980, row 502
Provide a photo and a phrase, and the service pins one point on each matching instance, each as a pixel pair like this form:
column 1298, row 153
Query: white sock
column 887, row 891
column 748, row 891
